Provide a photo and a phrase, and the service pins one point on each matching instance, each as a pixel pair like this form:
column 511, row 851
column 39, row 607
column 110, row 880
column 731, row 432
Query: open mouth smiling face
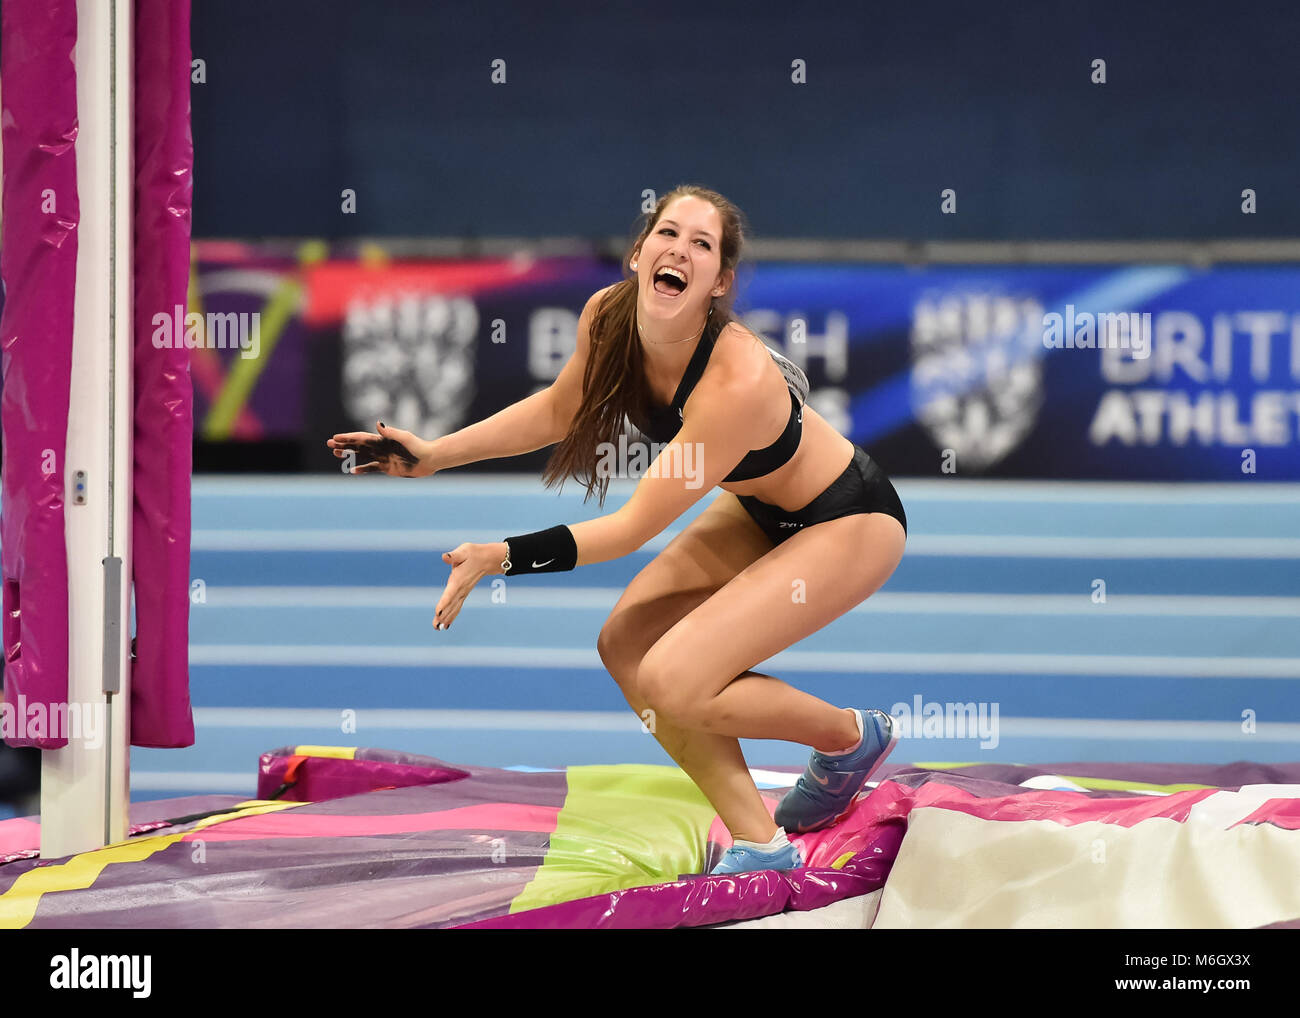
column 670, row 282
column 683, row 245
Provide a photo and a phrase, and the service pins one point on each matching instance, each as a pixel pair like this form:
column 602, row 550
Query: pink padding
column 164, row 395
column 499, row 818
column 1065, row 808
column 323, row 777
column 1284, row 813
column 18, row 836
column 39, row 263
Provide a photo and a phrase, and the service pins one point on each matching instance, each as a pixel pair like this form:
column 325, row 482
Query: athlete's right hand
column 393, row 451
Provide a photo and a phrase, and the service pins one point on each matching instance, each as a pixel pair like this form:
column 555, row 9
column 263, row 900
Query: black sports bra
column 665, row 421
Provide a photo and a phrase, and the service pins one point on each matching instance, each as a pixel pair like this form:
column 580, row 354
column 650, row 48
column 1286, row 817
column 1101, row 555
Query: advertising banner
column 1097, row 372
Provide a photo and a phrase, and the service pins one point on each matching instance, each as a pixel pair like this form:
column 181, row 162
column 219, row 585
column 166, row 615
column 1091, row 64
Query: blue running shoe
column 825, row 791
column 739, row 859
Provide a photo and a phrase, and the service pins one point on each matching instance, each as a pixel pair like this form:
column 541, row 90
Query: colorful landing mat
column 366, row 838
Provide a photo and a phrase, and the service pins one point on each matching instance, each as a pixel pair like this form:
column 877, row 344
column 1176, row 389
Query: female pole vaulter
column 806, row 525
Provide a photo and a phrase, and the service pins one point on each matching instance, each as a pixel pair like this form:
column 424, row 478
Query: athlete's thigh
column 719, row 543
column 811, row 579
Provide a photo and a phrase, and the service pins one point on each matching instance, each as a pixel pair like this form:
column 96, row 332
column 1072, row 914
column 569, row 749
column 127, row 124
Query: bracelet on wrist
column 544, row 551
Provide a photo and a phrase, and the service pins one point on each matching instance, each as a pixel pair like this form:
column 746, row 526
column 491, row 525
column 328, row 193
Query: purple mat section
column 164, row 395
column 39, row 264
column 20, row 837
column 378, row 859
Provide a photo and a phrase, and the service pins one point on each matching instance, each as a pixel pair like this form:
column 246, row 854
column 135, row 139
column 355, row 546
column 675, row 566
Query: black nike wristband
column 543, row 551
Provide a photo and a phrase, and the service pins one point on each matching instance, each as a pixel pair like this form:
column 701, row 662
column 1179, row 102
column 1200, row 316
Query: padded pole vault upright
column 87, row 397
column 66, row 319
column 84, row 786
column 85, row 790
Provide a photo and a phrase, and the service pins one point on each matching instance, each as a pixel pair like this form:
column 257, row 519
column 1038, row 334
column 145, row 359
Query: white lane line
column 522, row 595
column 1115, row 605
column 279, row 486
column 217, row 782
column 569, row 598
column 486, row 720
column 852, row 662
column 1016, row 546
column 942, row 545
column 1136, row 731
column 299, row 539
column 350, row 656
column 949, row 490
column 1172, row 493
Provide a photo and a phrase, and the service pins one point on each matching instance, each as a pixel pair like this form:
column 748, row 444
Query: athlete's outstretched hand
column 469, row 564
column 393, row 451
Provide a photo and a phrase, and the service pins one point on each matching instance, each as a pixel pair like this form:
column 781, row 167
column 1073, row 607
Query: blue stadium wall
column 995, row 101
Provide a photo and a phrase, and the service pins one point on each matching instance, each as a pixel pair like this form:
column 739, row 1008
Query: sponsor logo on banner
column 977, row 384
column 409, row 359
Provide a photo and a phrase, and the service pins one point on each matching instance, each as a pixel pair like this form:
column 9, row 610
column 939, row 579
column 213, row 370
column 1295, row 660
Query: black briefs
column 862, row 488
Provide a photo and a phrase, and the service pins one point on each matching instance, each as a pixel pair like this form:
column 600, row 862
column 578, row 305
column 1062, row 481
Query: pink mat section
column 1065, row 808
column 1284, row 813
column 496, row 817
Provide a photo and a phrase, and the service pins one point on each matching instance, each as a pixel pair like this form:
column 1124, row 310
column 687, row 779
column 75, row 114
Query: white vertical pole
column 85, row 787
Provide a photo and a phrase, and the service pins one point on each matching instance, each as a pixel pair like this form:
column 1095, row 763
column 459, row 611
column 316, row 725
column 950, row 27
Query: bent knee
column 605, row 642
column 658, row 681
column 612, row 649
column 619, row 658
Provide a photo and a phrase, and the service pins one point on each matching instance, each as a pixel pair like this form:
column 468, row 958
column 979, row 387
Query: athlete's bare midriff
column 822, row 455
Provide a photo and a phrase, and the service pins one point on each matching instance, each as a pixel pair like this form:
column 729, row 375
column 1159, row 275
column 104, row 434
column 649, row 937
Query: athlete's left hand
column 469, row 564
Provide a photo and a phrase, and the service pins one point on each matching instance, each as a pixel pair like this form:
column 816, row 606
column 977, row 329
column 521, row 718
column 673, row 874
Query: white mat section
column 958, row 871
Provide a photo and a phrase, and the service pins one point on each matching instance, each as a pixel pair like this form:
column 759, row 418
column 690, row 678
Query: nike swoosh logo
column 538, row 565
column 820, row 781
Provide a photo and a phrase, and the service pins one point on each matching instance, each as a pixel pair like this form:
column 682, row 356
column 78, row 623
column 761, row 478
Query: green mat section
column 621, row 826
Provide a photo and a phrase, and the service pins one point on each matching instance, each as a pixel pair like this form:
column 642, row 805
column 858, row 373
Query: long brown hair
column 614, row 384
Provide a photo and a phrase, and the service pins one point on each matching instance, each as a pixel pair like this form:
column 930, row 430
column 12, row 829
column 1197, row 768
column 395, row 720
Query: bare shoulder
column 594, row 301
column 733, row 384
column 567, row 387
column 586, row 316
column 735, row 327
column 743, row 358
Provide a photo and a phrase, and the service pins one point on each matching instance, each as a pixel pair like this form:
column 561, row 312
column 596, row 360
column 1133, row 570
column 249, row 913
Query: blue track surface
column 317, row 596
